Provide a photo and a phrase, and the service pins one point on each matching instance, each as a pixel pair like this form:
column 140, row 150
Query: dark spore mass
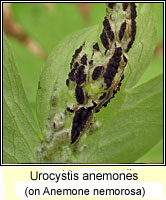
column 96, row 73
column 107, row 28
column 96, row 47
column 106, row 24
column 122, row 30
column 109, row 75
column 133, row 11
column 112, row 67
column 77, row 51
column 125, row 5
column 111, row 35
column 72, row 73
column 115, row 60
column 102, row 96
column 104, row 40
column 80, row 75
column 133, row 25
column 94, row 104
column 70, row 110
column 67, row 82
column 79, row 93
column 91, row 62
column 111, row 5
column 133, row 29
column 120, row 83
column 133, row 33
column 125, row 59
column 79, row 121
column 122, row 78
column 76, row 65
column 84, row 60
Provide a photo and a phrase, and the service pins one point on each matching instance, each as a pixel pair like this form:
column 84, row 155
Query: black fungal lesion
column 91, row 62
column 125, row 59
column 96, row 47
column 133, row 33
column 120, row 83
column 133, row 11
column 108, row 72
column 84, row 59
column 125, row 6
column 96, row 73
column 122, row 31
column 79, row 121
column 111, row 5
column 107, row 36
column 69, row 109
column 133, row 25
column 72, row 74
column 104, row 40
column 107, row 28
column 67, row 82
column 103, row 96
column 112, row 67
column 114, row 92
column 111, row 35
column 77, row 52
column 80, row 75
column 79, row 93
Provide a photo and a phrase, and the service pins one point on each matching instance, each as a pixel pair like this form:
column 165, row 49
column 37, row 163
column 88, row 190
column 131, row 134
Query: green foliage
column 47, row 26
column 29, row 67
column 155, row 155
column 131, row 124
column 21, row 134
column 158, row 12
column 97, row 13
column 154, row 69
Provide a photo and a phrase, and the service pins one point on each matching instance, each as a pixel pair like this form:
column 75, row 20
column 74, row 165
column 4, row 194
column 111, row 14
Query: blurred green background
column 34, row 30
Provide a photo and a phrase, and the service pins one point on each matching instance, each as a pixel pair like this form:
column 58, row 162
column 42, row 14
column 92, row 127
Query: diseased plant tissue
column 96, row 74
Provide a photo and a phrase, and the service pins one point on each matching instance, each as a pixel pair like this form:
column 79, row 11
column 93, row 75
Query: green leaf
column 155, row 155
column 154, row 69
column 29, row 67
column 132, row 122
column 97, row 13
column 47, row 26
column 21, row 134
column 158, row 11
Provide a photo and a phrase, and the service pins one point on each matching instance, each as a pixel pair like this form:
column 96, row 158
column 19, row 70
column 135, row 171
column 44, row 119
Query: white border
column 84, row 164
